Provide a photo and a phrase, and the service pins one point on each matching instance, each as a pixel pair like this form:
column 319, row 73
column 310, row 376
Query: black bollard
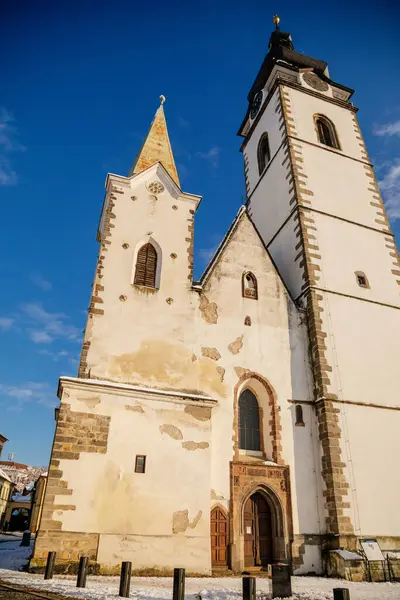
column 125, row 581
column 179, row 584
column 51, row 559
column 82, row 572
column 249, row 588
column 341, row 594
column 26, row 539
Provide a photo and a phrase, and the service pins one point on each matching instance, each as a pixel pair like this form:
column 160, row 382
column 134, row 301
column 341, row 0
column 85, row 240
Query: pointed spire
column 156, row 147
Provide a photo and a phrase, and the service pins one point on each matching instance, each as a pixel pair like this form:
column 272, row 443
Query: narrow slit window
column 146, row 266
column 263, row 153
column 140, row 463
column 326, row 132
column 249, row 286
column 299, row 415
column 362, row 279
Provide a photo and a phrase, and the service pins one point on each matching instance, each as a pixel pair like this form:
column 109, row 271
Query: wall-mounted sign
column 371, row 549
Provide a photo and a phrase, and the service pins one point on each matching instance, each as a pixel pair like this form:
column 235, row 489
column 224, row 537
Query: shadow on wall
column 306, row 463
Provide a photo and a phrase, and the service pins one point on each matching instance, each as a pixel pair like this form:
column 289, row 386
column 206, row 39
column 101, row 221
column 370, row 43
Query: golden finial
column 276, row 20
column 162, row 99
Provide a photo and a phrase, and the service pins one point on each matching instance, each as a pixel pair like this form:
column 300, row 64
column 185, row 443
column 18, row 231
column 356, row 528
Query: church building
column 253, row 416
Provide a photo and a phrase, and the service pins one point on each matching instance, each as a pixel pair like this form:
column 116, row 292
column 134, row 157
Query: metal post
column 249, row 588
column 51, row 559
column 179, row 584
column 341, row 594
column 26, row 539
column 82, row 572
column 125, row 581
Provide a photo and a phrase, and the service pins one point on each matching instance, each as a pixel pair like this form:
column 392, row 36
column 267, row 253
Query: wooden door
column 249, row 533
column 257, row 532
column 219, row 538
column 264, row 531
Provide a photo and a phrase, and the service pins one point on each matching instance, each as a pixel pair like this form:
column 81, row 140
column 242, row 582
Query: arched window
column 263, row 153
column 146, row 266
column 249, row 422
column 326, row 132
column 299, row 415
column 249, row 286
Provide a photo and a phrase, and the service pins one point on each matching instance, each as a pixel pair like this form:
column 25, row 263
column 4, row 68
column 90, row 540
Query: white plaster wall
column 339, row 184
column 269, row 123
column 344, row 249
column 110, row 498
column 364, row 349
column 286, row 256
column 374, row 449
column 303, row 108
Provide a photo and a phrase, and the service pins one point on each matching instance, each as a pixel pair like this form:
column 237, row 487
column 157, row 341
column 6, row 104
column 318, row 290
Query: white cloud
column 6, row 323
column 390, row 186
column 40, row 281
column 8, row 145
column 15, row 396
column 40, row 337
column 211, row 156
column 55, row 325
column 206, row 254
column 388, row 129
column 55, row 355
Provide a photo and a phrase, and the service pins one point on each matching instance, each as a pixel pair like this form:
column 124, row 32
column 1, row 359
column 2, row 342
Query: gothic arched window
column 146, row 266
column 249, row 422
column 263, row 153
column 249, row 286
column 326, row 132
column 299, row 415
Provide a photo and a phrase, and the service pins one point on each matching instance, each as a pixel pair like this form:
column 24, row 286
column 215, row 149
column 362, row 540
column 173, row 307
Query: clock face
column 255, row 107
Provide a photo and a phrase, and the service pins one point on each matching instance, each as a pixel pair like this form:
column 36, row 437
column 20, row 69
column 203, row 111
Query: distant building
column 3, row 440
column 6, row 488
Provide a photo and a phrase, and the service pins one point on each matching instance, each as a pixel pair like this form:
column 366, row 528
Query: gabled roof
column 4, row 476
column 156, row 148
column 234, row 225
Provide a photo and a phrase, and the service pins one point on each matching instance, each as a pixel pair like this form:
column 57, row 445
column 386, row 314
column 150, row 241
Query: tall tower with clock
column 314, row 198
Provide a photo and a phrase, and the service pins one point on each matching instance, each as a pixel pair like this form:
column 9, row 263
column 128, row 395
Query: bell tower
column 313, row 196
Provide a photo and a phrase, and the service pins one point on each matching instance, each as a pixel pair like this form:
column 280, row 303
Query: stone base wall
column 69, row 545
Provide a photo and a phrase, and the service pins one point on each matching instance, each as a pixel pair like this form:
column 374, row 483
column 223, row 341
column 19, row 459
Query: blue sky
column 80, row 83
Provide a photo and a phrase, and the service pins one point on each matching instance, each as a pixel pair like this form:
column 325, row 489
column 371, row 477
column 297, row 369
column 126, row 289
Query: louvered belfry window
column 146, row 266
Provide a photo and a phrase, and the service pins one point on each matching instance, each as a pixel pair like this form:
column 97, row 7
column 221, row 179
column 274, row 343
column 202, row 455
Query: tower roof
column 156, row 147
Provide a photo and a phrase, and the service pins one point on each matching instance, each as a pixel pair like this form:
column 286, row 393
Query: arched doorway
column 258, row 542
column 219, row 537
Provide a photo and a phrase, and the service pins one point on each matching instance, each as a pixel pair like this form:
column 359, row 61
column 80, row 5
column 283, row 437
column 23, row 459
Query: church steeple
column 156, row 147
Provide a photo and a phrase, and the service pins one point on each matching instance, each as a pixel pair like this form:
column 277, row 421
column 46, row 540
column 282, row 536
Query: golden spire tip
column 162, row 99
column 276, row 19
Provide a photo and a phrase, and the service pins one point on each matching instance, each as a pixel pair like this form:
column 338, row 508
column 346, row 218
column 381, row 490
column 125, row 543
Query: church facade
column 251, row 417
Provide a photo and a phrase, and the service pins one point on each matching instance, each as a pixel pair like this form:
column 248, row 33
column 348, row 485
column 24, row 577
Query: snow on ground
column 13, row 557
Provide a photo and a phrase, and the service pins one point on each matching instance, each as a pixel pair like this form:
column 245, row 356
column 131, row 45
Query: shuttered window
column 146, row 266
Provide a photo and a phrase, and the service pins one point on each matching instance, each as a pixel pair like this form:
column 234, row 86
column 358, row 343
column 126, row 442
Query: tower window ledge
column 145, row 289
column 254, row 453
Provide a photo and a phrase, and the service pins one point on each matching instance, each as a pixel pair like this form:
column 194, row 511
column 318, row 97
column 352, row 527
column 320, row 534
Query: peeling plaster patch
column 136, row 408
column 90, row 402
column 214, row 496
column 194, row 358
column 236, row 346
column 195, row 445
column 221, row 373
column 211, row 353
column 240, row 371
column 172, row 431
column 201, row 413
column 180, row 521
column 209, row 310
